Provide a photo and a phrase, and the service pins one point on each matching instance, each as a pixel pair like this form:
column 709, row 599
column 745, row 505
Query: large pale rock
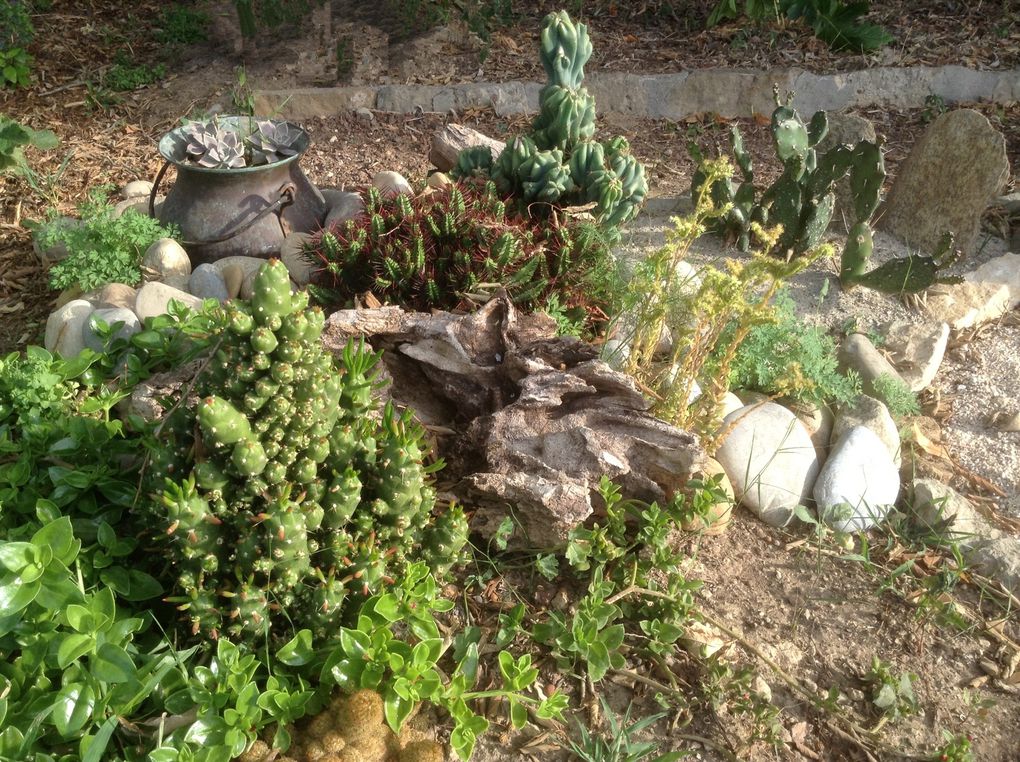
column 299, row 266
column 136, row 189
column 770, row 460
column 247, row 265
column 999, row 558
column 817, row 419
column 859, row 354
column 392, row 184
column 110, row 315
column 154, row 299
column 449, row 141
column 874, row 415
column 942, row 512
column 916, row 350
column 343, row 206
column 64, row 328
column 545, row 510
column 858, row 484
column 166, row 259
column 947, row 181
column 987, row 293
column 233, row 278
column 845, row 129
column 118, row 295
column 207, row 282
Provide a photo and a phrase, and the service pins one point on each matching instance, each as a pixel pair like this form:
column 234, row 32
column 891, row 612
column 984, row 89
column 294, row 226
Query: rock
column 392, row 184
column 233, row 277
column 719, row 514
column 166, row 259
column 729, row 403
column 845, row 129
column 818, row 422
column 770, row 460
column 998, row 558
column 546, row 510
column 859, row 354
column 206, row 282
column 118, row 295
column 858, row 484
column 110, row 315
column 69, row 294
column 57, row 251
column 136, row 205
column 943, row 513
column 916, row 350
column 450, row 140
column 986, row 294
column 154, row 299
column 299, row 267
column 248, row 286
column 64, row 328
column 247, row 265
column 438, row 180
column 873, row 415
column 136, row 189
column 364, row 115
column 343, row 206
column 947, row 181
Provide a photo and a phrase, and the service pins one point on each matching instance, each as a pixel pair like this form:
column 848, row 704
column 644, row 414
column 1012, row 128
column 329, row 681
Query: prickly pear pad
column 285, row 491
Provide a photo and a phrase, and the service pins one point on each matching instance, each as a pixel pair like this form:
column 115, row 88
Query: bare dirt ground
column 819, row 618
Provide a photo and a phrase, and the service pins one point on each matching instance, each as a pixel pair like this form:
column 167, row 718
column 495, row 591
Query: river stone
column 817, row 420
column 247, row 265
column 118, row 295
column 845, row 129
column 392, row 184
column 941, row 511
column 998, row 558
column 166, row 259
column 233, row 277
column 299, row 266
column 110, row 315
column 859, row 354
column 206, row 282
column 154, row 299
column 858, row 484
column 916, row 350
column 873, row 415
column 947, row 181
column 64, row 328
column 770, row 460
column 136, row 189
column 343, row 206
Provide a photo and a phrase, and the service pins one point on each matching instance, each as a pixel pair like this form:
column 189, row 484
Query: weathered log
column 449, row 141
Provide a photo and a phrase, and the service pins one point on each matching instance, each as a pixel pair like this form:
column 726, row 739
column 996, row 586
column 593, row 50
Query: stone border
column 727, row 92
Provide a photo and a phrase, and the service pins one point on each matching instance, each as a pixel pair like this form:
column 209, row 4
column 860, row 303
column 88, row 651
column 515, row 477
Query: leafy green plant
column 788, row 358
column 13, row 137
column 103, row 249
column 181, row 25
column 617, row 744
column 253, row 15
column 15, row 24
column 15, row 67
column 451, row 248
column 956, row 749
column 892, row 694
column 241, row 94
column 832, row 21
column 124, row 75
column 897, row 396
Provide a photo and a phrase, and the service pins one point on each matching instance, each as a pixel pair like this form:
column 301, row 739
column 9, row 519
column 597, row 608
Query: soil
column 820, row 618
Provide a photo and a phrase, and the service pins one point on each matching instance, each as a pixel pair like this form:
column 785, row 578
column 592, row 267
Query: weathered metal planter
column 245, row 211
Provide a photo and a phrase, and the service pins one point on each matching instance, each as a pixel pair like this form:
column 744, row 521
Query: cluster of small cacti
column 351, row 729
column 802, row 199
column 559, row 163
column 448, row 247
column 284, row 491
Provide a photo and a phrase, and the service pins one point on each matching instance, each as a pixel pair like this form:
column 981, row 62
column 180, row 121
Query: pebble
column 858, row 484
column 858, row 353
column 247, row 265
column 364, row 115
column 770, row 460
column 343, row 206
column 136, row 189
column 110, row 315
column 206, row 282
column 154, row 299
column 136, row 204
column 438, row 180
column 64, row 328
column 392, row 184
column 166, row 259
column 916, row 350
column 940, row 510
column 233, row 277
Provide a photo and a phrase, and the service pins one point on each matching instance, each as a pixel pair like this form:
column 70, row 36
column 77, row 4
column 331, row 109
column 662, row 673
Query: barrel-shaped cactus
column 284, row 491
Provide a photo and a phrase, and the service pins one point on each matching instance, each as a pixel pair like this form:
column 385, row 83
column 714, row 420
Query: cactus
column 904, row 275
column 559, row 163
column 281, row 494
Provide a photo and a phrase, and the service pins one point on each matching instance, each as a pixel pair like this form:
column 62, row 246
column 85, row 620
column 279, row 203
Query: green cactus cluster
column 447, row 248
column 559, row 163
column 284, row 491
column 802, row 198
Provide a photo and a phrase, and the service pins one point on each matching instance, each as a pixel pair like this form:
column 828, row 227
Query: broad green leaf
column 16, row 595
column 387, row 607
column 73, row 647
column 58, row 536
column 112, row 664
column 518, row 715
column 298, row 650
column 16, row 555
column 73, row 708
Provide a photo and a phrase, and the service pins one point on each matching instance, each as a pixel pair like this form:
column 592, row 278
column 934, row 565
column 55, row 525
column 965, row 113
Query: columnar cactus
column 282, row 491
column 559, row 163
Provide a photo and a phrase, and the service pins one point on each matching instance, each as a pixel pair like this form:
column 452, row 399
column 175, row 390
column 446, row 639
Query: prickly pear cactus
column 903, row 275
column 559, row 163
column 283, row 491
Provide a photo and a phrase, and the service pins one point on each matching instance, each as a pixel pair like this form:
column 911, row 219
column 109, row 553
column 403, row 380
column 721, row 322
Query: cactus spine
column 283, row 494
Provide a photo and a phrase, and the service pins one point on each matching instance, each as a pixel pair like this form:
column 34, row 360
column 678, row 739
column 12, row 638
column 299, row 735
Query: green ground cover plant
column 103, row 248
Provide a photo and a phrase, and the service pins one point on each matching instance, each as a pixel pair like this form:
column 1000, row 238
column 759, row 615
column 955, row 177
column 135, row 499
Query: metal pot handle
column 285, row 199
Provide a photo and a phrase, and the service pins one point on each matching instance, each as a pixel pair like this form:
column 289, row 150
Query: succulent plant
column 284, row 491
column 447, row 248
column 212, row 144
column 559, row 163
column 234, row 142
column 903, row 275
column 272, row 141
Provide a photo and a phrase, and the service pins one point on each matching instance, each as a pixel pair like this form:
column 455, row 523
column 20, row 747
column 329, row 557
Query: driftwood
column 449, row 141
column 530, row 419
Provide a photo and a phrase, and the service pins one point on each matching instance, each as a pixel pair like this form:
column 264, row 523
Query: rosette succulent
column 234, row 142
